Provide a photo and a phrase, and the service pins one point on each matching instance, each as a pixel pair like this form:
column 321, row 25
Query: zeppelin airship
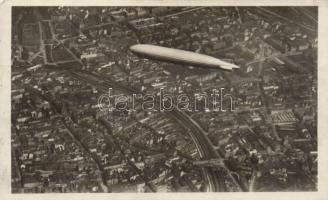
column 180, row 57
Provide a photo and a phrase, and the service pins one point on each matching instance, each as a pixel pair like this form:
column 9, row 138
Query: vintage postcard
column 189, row 99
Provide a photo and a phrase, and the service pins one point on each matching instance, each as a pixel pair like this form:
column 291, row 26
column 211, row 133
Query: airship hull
column 180, row 57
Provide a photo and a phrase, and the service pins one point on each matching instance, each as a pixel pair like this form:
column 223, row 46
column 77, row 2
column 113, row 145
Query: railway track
column 204, row 146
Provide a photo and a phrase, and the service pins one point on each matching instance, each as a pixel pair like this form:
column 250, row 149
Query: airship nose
column 133, row 48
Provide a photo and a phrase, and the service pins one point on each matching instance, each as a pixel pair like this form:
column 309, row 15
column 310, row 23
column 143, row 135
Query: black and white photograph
column 163, row 99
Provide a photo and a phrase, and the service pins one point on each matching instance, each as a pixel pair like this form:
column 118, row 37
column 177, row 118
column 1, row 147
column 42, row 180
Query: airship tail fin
column 229, row 67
